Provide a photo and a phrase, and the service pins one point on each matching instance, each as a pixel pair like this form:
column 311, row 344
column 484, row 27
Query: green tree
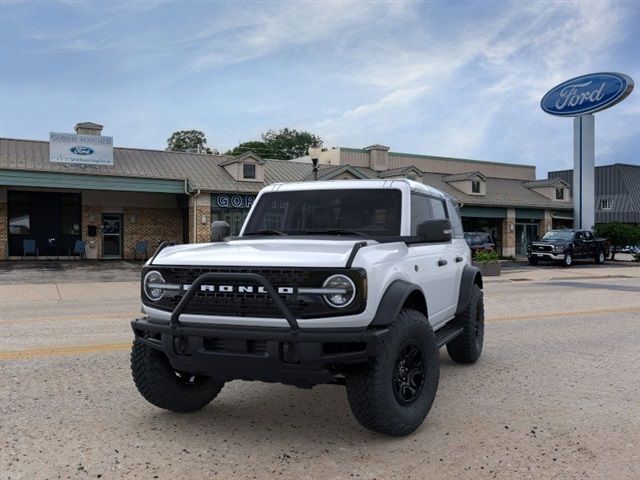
column 289, row 143
column 619, row 234
column 184, row 140
column 283, row 144
column 255, row 146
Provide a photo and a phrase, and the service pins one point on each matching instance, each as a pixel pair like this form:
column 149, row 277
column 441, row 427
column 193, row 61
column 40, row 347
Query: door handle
column 459, row 259
column 442, row 263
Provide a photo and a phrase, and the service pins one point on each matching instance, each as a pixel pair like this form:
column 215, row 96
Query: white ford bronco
column 356, row 283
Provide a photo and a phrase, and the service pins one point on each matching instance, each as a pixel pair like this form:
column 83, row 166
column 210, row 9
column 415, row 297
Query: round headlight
column 344, row 291
column 153, row 285
column 559, row 248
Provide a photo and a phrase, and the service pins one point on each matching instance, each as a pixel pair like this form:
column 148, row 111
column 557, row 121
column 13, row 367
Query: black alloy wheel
column 408, row 373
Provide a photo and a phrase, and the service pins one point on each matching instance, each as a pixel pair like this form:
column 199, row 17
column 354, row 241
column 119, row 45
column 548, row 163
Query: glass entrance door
column 525, row 233
column 111, row 235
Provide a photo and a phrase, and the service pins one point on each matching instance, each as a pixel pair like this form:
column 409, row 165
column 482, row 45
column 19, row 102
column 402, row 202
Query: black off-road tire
column 163, row 386
column 467, row 347
column 532, row 260
column 567, row 261
column 378, row 391
column 600, row 257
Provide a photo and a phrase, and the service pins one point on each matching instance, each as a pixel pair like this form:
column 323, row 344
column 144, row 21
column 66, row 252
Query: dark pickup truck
column 565, row 246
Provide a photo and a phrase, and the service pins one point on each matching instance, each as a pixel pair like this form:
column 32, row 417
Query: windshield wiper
column 266, row 232
column 336, row 231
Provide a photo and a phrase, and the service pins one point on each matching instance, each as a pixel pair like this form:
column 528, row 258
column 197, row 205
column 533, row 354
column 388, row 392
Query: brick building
column 156, row 195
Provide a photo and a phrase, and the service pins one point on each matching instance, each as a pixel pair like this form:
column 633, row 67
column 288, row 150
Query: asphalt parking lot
column 555, row 395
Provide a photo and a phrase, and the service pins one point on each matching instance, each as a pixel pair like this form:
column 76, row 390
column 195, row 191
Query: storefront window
column 19, row 213
column 70, row 215
column 52, row 219
column 19, row 220
column 232, row 208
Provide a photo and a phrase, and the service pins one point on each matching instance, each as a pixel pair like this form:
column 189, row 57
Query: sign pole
column 583, row 172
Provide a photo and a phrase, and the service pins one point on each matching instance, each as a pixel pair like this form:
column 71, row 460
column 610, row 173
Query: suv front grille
column 258, row 304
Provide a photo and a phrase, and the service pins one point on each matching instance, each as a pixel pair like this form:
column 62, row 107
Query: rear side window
column 420, row 211
column 456, row 222
column 437, row 208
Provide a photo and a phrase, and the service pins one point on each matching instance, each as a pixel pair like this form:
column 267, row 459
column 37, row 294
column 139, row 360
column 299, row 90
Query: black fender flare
column 470, row 276
column 393, row 300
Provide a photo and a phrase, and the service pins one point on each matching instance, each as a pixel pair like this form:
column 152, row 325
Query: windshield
column 558, row 235
column 359, row 212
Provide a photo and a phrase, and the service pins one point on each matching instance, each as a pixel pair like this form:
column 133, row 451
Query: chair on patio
column 29, row 248
column 142, row 246
column 80, row 249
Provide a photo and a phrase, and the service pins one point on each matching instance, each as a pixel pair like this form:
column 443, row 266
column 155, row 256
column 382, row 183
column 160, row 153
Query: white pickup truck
column 356, row 283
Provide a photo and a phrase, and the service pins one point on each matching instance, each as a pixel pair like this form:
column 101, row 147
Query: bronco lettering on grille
column 240, row 289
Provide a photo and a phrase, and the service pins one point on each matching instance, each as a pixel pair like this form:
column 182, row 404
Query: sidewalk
column 18, row 272
column 520, row 272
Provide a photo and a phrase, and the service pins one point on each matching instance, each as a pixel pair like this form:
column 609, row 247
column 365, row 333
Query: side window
column 454, row 216
column 438, row 208
column 588, row 236
column 420, row 211
column 579, row 236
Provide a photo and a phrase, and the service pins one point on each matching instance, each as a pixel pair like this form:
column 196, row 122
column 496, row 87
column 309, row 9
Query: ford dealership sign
column 80, row 149
column 587, row 94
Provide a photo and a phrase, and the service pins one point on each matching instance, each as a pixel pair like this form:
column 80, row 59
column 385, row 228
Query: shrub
column 486, row 257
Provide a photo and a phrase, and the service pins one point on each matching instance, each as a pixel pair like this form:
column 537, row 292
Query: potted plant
column 488, row 263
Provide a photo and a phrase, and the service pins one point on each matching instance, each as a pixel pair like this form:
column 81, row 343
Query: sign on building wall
column 80, row 149
column 230, row 200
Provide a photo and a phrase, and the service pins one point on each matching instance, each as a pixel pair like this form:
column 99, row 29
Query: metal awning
column 25, row 178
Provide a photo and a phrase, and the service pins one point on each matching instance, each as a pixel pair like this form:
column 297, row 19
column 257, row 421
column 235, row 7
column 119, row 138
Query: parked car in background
column 565, row 246
column 479, row 242
column 629, row 249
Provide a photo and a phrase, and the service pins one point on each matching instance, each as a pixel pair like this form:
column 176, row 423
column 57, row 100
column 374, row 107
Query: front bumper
column 303, row 357
column 546, row 256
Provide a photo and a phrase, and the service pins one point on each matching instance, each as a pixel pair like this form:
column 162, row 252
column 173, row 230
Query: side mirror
column 219, row 230
column 435, row 231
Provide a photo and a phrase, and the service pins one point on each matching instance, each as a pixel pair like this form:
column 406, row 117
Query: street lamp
column 314, row 153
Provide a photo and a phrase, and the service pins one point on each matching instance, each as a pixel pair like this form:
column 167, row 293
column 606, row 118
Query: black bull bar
column 254, row 277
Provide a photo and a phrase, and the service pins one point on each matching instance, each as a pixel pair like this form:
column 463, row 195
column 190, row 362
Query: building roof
column 464, row 176
column 241, row 158
column 394, row 172
column 327, row 172
column 202, row 171
column 546, row 182
column 88, row 125
column 205, row 172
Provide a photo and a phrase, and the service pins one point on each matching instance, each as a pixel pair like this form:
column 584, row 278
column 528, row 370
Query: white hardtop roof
column 354, row 184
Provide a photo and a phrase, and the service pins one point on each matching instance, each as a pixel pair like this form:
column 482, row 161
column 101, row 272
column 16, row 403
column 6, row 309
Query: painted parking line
column 25, row 321
column 63, row 351
column 119, row 347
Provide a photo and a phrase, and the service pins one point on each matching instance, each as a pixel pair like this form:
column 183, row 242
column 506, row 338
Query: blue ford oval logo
column 82, row 150
column 587, row 94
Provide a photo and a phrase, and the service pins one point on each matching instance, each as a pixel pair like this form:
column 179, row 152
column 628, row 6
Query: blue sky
column 459, row 79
